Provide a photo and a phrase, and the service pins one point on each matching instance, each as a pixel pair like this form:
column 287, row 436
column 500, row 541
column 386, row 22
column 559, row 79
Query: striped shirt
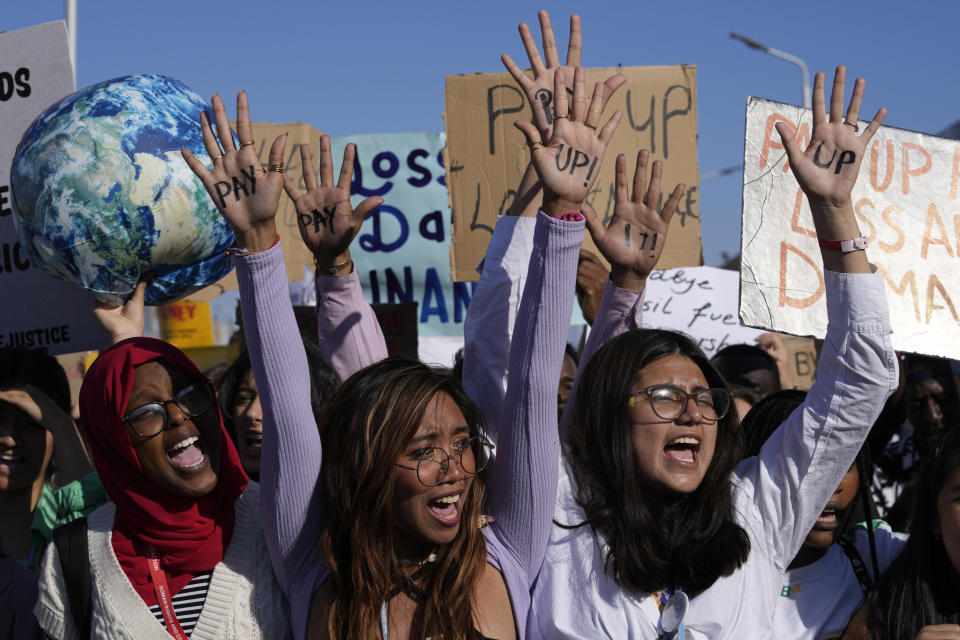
column 187, row 604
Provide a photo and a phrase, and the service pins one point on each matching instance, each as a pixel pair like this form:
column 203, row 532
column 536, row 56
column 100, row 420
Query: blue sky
column 377, row 67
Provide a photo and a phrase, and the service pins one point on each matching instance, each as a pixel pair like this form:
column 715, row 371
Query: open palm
column 634, row 239
column 328, row 222
column 827, row 169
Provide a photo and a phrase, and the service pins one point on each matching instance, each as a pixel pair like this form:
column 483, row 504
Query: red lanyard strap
column 159, row 577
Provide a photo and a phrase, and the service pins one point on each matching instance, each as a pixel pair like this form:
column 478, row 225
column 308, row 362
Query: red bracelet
column 239, row 253
column 844, row 246
column 571, row 216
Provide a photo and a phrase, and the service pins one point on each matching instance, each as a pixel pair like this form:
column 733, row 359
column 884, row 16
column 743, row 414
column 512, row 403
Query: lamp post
column 750, row 42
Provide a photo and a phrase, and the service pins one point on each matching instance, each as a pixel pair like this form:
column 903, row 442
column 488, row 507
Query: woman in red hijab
column 179, row 548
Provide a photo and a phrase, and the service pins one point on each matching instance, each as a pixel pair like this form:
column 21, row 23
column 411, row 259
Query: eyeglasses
column 149, row 419
column 668, row 401
column 472, row 454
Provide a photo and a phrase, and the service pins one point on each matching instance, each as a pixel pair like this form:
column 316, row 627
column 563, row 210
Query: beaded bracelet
column 237, row 252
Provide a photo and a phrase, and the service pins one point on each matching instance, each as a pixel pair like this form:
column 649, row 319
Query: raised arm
column 632, row 243
column 489, row 327
column 800, row 466
column 347, row 329
column 524, row 489
column 291, row 494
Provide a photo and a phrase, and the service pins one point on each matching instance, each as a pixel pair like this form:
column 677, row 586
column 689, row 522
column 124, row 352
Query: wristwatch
column 844, row 246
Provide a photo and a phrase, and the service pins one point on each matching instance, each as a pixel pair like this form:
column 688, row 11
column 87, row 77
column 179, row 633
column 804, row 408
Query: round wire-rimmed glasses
column 669, row 401
column 149, row 419
column 473, row 455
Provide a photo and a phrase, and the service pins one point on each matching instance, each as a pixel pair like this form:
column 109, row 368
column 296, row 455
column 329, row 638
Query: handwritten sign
column 700, row 302
column 906, row 203
column 486, row 155
column 40, row 311
column 402, row 252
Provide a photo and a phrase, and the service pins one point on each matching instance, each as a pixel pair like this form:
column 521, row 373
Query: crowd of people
column 631, row 488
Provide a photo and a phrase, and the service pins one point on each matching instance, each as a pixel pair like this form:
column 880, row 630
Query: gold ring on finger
column 247, row 144
column 855, row 126
column 592, row 126
column 217, row 158
column 557, row 117
column 535, row 145
column 277, row 167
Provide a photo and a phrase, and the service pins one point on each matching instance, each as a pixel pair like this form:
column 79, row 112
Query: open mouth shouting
column 829, row 518
column 254, row 442
column 446, row 509
column 10, row 462
column 187, row 455
column 683, row 450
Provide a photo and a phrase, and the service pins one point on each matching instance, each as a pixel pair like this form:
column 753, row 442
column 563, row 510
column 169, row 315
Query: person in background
column 243, row 413
column 749, row 367
column 838, row 564
column 568, row 373
column 916, row 597
column 35, row 428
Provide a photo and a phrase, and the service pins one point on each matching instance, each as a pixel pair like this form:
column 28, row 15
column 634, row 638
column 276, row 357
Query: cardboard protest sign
column 402, row 251
column 700, row 302
column 801, row 360
column 486, row 155
column 296, row 256
column 40, row 311
column 906, row 204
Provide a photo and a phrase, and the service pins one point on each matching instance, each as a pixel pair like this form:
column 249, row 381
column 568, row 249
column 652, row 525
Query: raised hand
column 634, row 239
column 246, row 195
column 570, row 162
column 827, row 169
column 328, row 222
column 125, row 321
column 540, row 90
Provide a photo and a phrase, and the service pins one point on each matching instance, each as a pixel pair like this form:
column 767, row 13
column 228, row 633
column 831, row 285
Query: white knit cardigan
column 243, row 600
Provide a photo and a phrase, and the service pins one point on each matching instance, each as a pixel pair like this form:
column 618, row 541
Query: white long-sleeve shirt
column 777, row 495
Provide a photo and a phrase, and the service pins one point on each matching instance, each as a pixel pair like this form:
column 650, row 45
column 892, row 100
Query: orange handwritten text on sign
column 771, row 139
column 785, row 298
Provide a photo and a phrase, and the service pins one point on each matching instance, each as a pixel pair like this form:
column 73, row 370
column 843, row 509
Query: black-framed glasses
column 149, row 419
column 472, row 454
column 669, row 401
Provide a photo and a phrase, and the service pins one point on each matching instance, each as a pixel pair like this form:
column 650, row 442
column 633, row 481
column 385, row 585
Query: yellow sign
column 186, row 324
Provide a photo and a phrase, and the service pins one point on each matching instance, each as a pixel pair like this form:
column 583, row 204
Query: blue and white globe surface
column 103, row 196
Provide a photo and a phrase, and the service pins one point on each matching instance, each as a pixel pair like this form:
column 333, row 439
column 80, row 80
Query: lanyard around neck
column 673, row 609
column 159, row 577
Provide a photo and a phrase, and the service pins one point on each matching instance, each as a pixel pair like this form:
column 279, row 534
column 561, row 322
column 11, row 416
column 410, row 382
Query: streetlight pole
column 783, row 55
column 70, row 9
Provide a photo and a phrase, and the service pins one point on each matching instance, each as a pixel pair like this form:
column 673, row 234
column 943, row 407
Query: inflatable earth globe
column 103, row 196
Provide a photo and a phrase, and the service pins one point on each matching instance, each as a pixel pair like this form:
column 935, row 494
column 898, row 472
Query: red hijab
column 190, row 534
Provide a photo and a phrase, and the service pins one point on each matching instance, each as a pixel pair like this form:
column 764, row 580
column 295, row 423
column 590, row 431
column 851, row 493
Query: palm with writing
column 539, row 90
column 827, row 169
column 328, row 222
column 570, row 162
column 246, row 196
column 634, row 239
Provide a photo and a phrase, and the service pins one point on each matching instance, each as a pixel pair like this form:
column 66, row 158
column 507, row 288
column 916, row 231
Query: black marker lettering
column 237, row 186
column 567, row 163
column 645, row 237
column 222, row 194
column 577, row 163
column 653, row 245
column 593, row 165
column 545, row 96
column 818, row 162
column 626, row 234
column 847, row 157
column 252, row 177
column 329, row 222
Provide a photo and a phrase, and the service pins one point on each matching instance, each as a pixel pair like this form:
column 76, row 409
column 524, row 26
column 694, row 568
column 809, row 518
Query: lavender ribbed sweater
column 292, row 494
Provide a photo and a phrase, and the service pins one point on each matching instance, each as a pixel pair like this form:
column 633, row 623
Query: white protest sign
column 39, row 311
column 700, row 302
column 906, row 203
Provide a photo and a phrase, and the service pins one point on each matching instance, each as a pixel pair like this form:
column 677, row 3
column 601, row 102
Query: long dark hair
column 920, row 586
column 654, row 541
column 365, row 427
